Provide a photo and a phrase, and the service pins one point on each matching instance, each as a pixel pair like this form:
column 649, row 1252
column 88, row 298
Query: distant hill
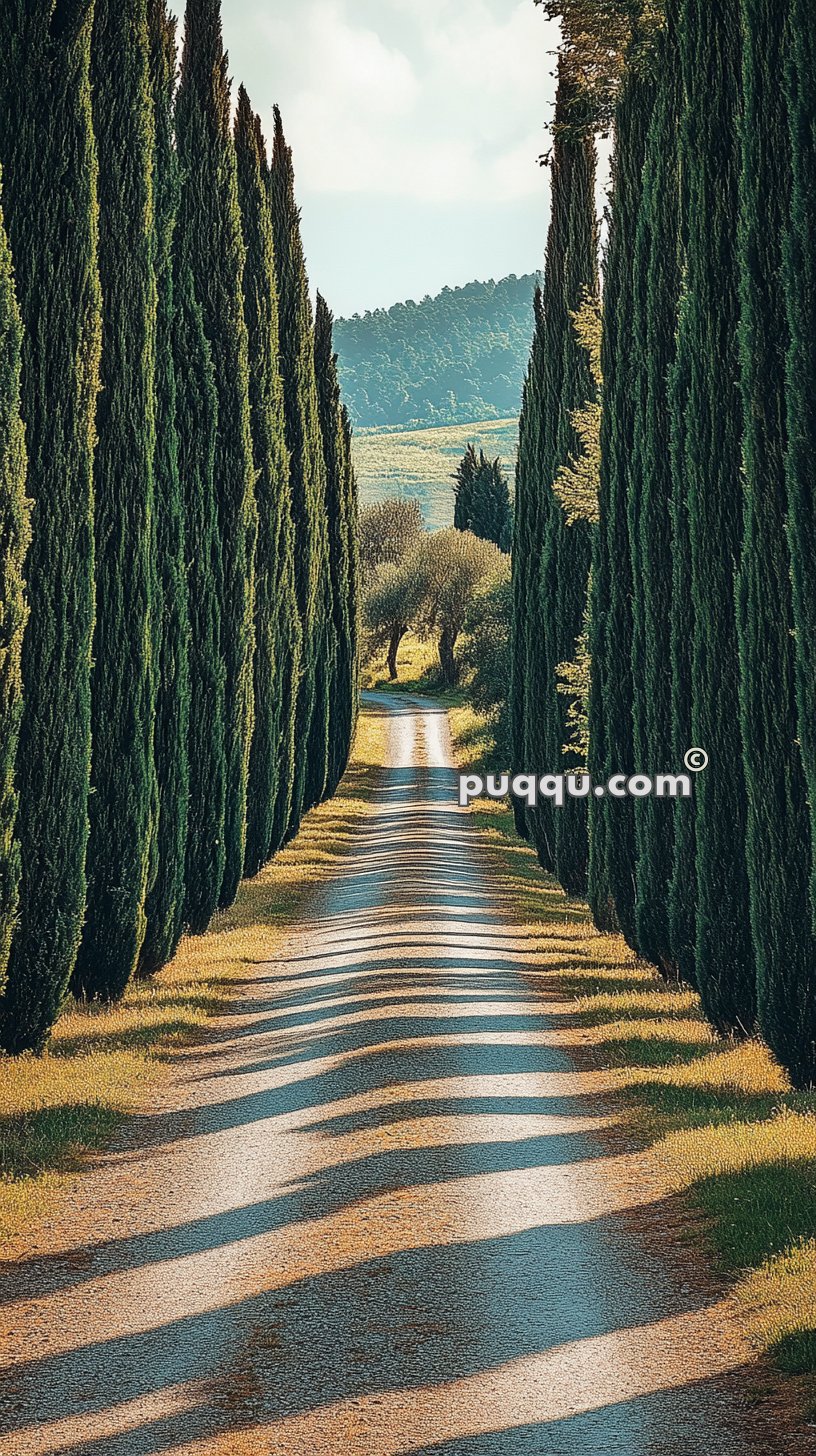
column 421, row 462
column 460, row 356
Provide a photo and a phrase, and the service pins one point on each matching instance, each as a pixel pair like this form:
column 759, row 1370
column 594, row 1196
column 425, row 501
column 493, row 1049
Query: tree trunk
column 447, row 661
column 393, row 648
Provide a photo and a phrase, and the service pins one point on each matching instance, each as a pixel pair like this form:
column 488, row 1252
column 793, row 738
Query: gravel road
column 373, row 1211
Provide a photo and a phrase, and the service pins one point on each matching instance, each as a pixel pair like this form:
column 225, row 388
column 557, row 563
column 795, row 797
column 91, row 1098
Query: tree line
column 664, row 570
column 179, row 559
column 446, row 360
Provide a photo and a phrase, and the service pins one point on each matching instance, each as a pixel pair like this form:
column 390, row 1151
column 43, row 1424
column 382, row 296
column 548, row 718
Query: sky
column 416, row 126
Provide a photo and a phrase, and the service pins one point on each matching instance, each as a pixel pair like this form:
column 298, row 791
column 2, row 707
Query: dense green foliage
column 341, row 514
column 611, row 736
column 307, row 483
column 49, row 165
column 711, row 463
column 144, row 683
column 197, row 418
column 551, row 555
column 658, row 271
column 457, row 357
column 164, row 907
column 482, row 494
column 214, row 250
column 272, row 483
column 15, row 536
column 779, row 826
column 123, row 799
column 800, row 297
column 702, row 608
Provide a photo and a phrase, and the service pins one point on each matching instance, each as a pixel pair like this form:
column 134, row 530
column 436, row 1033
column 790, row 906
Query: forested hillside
column 460, row 356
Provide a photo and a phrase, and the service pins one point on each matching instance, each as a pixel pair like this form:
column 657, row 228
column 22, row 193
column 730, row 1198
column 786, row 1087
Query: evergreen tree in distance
column 49, row 165
column 15, row 531
column 272, row 485
column 214, row 251
column 123, row 682
column 164, row 909
column 779, row 824
column 482, row 497
column 341, row 514
column 307, row 482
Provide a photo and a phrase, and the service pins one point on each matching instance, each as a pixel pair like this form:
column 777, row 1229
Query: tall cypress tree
column 272, row 465
column 352, row 513
column 211, row 221
column 50, row 175
column 340, row 513
column 712, row 432
column 779, row 828
column 15, row 532
column 559, row 555
column 164, row 909
column 307, row 482
column 658, row 266
column 124, row 672
column 197, row 420
column 800, row 296
column 611, row 740
column 570, row 544
column 524, row 529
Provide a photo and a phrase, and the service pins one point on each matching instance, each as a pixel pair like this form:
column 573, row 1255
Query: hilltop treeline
column 444, row 361
column 673, row 584
column 178, row 659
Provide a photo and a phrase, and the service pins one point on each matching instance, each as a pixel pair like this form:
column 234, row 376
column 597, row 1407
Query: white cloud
column 421, row 99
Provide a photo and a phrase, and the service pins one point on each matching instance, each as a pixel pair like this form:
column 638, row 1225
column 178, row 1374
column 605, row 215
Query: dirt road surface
column 373, row 1211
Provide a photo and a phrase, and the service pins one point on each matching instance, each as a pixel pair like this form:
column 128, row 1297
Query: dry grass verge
column 102, row 1061
column 718, row 1122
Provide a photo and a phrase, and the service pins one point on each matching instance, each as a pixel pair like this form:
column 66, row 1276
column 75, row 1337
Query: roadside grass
column 717, row 1121
column 101, row 1062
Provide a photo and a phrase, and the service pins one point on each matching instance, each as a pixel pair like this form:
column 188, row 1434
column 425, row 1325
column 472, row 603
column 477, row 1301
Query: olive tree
column 387, row 532
column 450, row 566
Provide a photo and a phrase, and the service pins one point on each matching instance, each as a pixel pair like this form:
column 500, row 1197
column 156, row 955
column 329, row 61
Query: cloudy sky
column 415, row 125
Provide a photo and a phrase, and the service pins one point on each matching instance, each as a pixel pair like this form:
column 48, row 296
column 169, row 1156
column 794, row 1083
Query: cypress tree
column 779, row 829
column 522, row 555
column 50, row 174
column 164, row 909
column 15, row 535
column 800, row 297
column 570, row 543
column 658, row 266
column 483, row 499
column 611, row 740
column 464, row 480
column 307, row 483
column 352, row 514
column 682, row 902
column 711, row 462
column 197, row 420
column 340, row 513
column 124, row 672
column 559, row 559
column 214, row 250
column 272, row 466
